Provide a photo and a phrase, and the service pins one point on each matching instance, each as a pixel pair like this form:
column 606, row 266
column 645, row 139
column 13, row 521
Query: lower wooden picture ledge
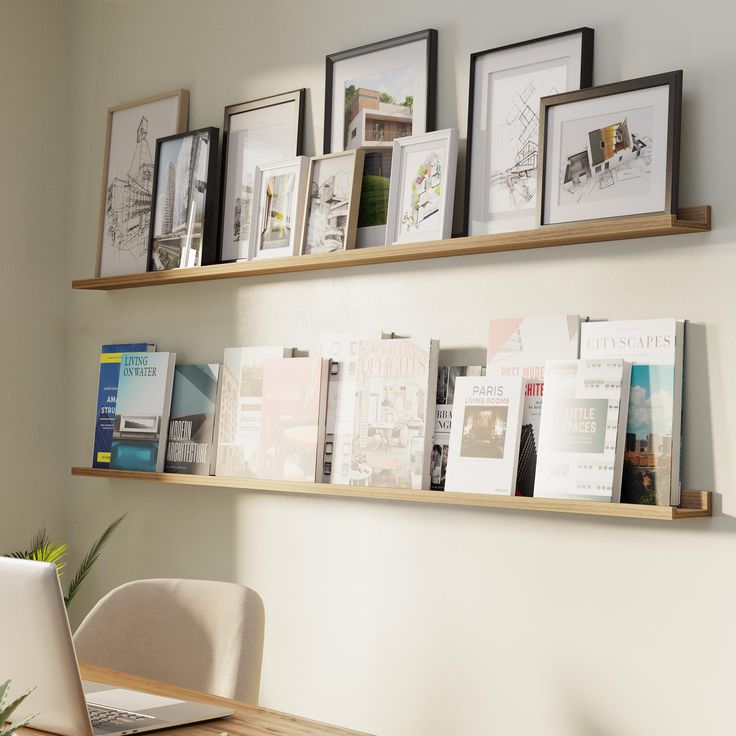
column 693, row 503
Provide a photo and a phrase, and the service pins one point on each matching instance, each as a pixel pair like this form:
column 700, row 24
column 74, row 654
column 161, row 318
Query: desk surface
column 249, row 720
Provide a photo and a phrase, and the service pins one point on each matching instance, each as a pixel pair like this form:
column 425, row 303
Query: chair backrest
column 199, row 634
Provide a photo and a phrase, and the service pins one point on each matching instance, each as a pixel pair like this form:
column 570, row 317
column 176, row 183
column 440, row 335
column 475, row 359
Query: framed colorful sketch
column 332, row 202
column 127, row 179
column 278, row 208
column 255, row 133
column 184, row 221
column 422, row 190
column 380, row 91
column 611, row 151
column 506, row 85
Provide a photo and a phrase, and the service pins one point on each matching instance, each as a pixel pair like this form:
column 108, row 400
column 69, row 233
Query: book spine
column 166, row 414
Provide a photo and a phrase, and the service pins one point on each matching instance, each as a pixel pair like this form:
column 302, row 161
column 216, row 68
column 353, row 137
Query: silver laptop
column 36, row 650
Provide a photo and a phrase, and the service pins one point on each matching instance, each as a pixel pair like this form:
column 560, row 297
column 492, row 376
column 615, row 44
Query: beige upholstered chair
column 199, row 634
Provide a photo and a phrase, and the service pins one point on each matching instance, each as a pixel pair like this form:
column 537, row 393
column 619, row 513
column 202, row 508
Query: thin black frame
column 429, row 35
column 673, row 80
column 209, row 223
column 297, row 97
column 587, row 37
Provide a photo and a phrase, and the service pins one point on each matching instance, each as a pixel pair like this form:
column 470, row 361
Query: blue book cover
column 107, row 394
column 142, row 411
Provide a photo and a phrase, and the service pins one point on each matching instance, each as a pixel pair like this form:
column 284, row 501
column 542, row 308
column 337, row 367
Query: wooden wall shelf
column 694, row 503
column 688, row 220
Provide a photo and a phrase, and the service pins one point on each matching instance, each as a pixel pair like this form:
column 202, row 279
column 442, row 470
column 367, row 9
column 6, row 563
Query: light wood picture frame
column 127, row 178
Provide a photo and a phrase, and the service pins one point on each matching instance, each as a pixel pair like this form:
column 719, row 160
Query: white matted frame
column 332, row 202
column 422, row 192
column 127, row 178
column 278, row 208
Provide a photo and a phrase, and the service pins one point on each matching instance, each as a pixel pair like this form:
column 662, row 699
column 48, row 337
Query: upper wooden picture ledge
column 688, row 220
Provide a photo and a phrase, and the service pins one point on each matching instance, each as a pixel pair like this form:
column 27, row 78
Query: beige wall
column 399, row 620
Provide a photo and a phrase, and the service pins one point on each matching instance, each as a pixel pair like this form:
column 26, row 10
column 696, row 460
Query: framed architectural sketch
column 127, row 179
column 373, row 212
column 381, row 91
column 611, row 151
column 331, row 203
column 255, row 133
column 422, row 190
column 184, row 212
column 278, row 208
column 506, row 85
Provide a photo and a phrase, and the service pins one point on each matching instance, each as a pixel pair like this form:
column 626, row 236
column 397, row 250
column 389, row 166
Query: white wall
column 391, row 618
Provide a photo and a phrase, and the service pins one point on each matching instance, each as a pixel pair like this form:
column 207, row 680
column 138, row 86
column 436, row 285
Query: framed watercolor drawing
column 184, row 221
column 278, row 208
column 506, row 85
column 373, row 212
column 332, row 201
column 381, row 91
column 611, row 151
column 255, row 133
column 422, row 190
column 127, row 179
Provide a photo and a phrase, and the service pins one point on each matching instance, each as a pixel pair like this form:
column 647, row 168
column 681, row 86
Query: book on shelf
column 239, row 415
column 293, row 418
column 192, row 441
column 484, row 438
column 583, row 429
column 396, row 385
column 522, row 346
column 655, row 348
column 446, row 378
column 142, row 411
column 107, row 394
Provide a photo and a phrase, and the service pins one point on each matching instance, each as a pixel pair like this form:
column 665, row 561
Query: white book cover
column 484, row 438
column 446, row 378
column 522, row 346
column 583, row 429
column 239, row 416
column 655, row 348
column 396, row 384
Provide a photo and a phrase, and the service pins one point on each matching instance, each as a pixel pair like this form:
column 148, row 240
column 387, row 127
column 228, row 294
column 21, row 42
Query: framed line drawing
column 127, row 178
column 278, row 208
column 506, row 84
column 332, row 202
column 611, row 151
column 255, row 133
column 380, row 91
column 422, row 191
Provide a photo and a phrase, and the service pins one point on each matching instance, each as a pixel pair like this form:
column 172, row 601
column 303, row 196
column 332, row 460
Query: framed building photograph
column 184, row 221
column 127, row 179
column 332, row 202
column 506, row 85
column 255, row 133
column 611, row 151
column 373, row 211
column 380, row 91
column 422, row 191
column 279, row 192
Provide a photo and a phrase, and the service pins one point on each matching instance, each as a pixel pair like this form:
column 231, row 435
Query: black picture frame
column 672, row 80
column 429, row 35
column 211, row 195
column 587, row 37
column 297, row 98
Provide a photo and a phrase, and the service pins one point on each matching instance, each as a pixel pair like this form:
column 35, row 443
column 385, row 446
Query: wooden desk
column 249, row 720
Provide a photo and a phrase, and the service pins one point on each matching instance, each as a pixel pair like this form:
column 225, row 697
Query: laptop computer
column 36, row 650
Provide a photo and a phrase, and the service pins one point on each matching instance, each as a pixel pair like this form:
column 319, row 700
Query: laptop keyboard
column 101, row 716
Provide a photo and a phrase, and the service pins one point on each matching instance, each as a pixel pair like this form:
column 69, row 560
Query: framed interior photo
column 332, row 202
column 380, row 91
column 184, row 222
column 611, row 151
column 278, row 208
column 255, row 133
column 422, row 190
column 506, row 85
column 373, row 211
column 127, row 178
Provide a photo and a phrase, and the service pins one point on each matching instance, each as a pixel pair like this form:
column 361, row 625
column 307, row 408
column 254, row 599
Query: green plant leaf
column 10, row 709
column 52, row 552
column 4, row 692
column 41, row 539
column 17, row 726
